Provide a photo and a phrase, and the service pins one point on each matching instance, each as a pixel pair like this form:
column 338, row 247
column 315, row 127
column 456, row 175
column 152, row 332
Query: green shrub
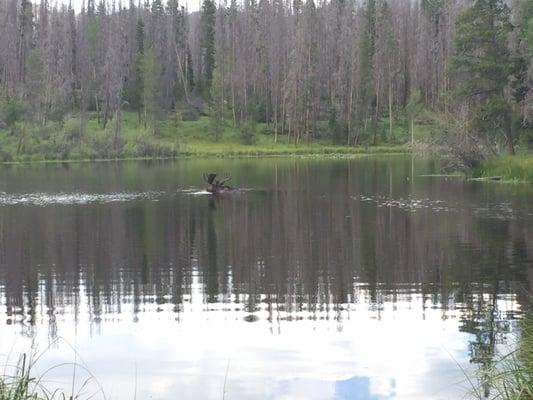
column 5, row 156
column 190, row 114
column 12, row 111
column 101, row 146
column 247, row 135
column 55, row 147
column 146, row 146
column 267, row 130
column 72, row 129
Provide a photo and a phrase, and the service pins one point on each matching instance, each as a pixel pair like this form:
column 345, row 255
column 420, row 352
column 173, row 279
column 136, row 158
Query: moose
column 217, row 186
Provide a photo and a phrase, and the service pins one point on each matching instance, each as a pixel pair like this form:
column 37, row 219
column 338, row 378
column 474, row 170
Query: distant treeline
column 291, row 64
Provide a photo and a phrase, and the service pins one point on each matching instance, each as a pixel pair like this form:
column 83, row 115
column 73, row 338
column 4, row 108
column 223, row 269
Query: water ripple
column 500, row 211
column 45, row 199
column 408, row 204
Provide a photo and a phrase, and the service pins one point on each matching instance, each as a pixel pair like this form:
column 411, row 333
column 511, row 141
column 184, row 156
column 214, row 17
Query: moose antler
column 225, row 179
column 209, row 178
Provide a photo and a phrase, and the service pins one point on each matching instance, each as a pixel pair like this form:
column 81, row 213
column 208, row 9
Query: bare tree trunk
column 510, row 135
column 117, row 132
column 391, row 131
column 307, row 125
column 97, row 109
column 182, row 75
column 412, row 131
column 22, row 139
column 276, row 123
column 375, row 117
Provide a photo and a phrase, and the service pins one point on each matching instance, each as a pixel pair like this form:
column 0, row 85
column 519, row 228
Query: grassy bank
column 518, row 168
column 176, row 136
column 511, row 376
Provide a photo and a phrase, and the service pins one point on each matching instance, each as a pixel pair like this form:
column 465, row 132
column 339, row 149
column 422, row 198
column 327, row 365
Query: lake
column 361, row 278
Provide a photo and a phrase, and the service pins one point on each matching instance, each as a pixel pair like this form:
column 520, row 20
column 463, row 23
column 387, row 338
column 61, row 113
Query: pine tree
column 367, row 51
column 25, row 37
column 208, row 44
column 151, row 71
column 134, row 88
column 483, row 64
column 526, row 23
column 216, row 104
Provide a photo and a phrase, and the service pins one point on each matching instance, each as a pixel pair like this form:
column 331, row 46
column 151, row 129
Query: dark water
column 321, row 279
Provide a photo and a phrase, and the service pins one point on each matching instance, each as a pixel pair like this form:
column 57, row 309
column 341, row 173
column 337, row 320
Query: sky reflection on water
column 325, row 280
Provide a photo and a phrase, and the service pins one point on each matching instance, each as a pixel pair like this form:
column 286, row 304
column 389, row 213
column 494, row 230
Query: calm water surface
column 321, row 279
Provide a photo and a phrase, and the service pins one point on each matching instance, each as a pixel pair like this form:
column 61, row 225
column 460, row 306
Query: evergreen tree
column 134, row 88
column 189, row 69
column 216, row 104
column 367, row 51
column 151, row 71
column 526, row 23
column 413, row 109
column 483, row 64
column 208, row 44
column 25, row 37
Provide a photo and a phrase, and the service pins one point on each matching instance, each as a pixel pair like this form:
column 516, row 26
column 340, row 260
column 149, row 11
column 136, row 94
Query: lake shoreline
column 505, row 169
column 508, row 169
column 253, row 153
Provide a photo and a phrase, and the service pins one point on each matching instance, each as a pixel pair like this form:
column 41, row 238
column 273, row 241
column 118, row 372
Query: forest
column 118, row 79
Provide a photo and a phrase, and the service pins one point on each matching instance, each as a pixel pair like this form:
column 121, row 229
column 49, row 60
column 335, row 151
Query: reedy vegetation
column 23, row 385
column 510, row 377
column 334, row 70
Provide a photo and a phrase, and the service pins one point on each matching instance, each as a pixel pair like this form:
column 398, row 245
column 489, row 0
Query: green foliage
column 432, row 8
column 518, row 168
column 247, row 134
column 22, row 384
column 483, row 64
column 190, row 114
column 190, row 70
column 529, row 36
column 510, row 376
column 151, row 71
column 208, row 43
column 139, row 36
column 414, row 104
column 177, row 136
column 492, row 117
column 147, row 147
column 72, row 129
column 133, row 90
column 526, row 22
column 519, row 84
column 482, row 55
column 55, row 147
column 35, row 82
column 101, row 145
column 12, row 111
column 367, row 50
column 333, row 122
column 216, row 105
column 18, row 387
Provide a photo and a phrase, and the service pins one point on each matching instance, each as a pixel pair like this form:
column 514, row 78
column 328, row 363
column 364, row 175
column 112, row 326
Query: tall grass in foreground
column 511, row 377
column 21, row 385
column 19, row 382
